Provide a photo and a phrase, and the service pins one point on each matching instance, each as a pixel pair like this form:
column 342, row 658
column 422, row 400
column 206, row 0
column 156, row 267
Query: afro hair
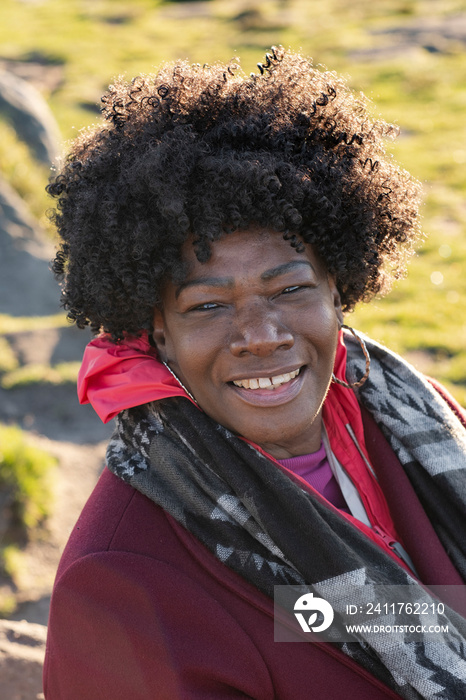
column 203, row 151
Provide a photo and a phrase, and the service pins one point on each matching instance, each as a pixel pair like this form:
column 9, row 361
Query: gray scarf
column 260, row 523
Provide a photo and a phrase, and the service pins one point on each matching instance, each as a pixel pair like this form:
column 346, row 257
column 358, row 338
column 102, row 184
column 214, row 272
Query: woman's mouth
column 269, row 383
column 274, row 390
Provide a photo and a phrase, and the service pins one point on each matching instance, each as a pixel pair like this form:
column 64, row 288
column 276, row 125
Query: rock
column 27, row 286
column 31, row 117
column 49, row 345
column 44, row 73
column 22, row 649
column 53, row 411
column 432, row 34
column 449, row 28
column 36, row 611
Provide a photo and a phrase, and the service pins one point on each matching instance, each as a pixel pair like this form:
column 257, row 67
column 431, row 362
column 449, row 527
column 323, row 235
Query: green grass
column 424, row 313
column 16, row 324
column 62, row 373
column 24, row 174
column 25, row 474
column 423, row 92
column 7, row 600
column 11, row 559
column 8, row 359
column 12, row 375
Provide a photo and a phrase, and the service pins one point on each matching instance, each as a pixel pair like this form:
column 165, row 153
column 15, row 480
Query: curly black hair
column 203, row 151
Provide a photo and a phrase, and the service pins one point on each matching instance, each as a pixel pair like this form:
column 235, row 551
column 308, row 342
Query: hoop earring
column 180, row 383
column 364, row 378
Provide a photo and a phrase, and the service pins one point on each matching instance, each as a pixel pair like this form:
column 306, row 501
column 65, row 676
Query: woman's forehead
column 259, row 248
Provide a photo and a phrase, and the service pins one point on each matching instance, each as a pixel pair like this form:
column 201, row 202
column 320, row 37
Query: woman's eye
column 290, row 290
column 208, row 306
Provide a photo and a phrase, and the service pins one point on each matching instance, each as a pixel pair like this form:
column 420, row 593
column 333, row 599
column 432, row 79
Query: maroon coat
column 141, row 610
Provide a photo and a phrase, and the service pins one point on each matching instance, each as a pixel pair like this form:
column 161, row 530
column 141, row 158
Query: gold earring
column 364, row 378
column 180, row 383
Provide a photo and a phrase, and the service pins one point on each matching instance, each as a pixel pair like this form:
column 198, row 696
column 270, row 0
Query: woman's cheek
column 194, row 355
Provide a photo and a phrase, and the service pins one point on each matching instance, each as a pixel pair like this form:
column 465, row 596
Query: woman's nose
column 257, row 332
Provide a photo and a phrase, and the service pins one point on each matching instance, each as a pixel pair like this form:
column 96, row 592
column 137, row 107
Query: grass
column 26, row 487
column 62, row 373
column 422, row 91
column 25, row 175
column 7, row 600
column 25, row 474
column 11, row 374
column 11, row 560
column 16, row 324
column 8, row 359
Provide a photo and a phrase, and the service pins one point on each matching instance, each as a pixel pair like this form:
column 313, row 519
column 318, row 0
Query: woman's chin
column 291, row 429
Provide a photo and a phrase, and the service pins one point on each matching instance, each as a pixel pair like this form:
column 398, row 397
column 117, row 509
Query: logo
column 310, row 604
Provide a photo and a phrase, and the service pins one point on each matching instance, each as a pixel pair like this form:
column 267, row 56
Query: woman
column 214, row 233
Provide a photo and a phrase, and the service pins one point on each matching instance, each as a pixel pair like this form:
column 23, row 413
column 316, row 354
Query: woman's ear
column 158, row 334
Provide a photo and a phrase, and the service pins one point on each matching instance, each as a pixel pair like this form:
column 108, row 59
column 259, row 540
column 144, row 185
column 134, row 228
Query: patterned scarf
column 264, row 526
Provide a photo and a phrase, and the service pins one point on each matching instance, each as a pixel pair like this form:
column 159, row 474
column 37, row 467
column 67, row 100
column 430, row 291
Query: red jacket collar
column 118, row 376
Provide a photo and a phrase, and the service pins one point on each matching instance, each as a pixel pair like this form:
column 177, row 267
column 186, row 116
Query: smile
column 275, row 390
column 269, row 383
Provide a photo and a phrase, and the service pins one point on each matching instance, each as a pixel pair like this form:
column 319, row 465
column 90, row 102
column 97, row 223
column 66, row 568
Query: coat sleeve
column 125, row 626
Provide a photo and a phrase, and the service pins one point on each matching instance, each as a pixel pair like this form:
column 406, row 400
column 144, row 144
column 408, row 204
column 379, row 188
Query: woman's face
column 252, row 334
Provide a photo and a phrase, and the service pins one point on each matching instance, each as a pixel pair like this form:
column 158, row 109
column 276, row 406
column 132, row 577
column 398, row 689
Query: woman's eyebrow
column 282, row 269
column 205, row 282
column 228, row 282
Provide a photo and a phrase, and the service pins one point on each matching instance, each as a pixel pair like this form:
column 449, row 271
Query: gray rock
column 49, row 345
column 31, row 117
column 53, row 411
column 450, row 28
column 27, row 287
column 36, row 69
column 432, row 34
column 36, row 611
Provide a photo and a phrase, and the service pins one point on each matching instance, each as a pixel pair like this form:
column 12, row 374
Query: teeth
column 279, row 379
column 267, row 382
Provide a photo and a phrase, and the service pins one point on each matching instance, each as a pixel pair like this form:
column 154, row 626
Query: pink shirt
column 315, row 469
